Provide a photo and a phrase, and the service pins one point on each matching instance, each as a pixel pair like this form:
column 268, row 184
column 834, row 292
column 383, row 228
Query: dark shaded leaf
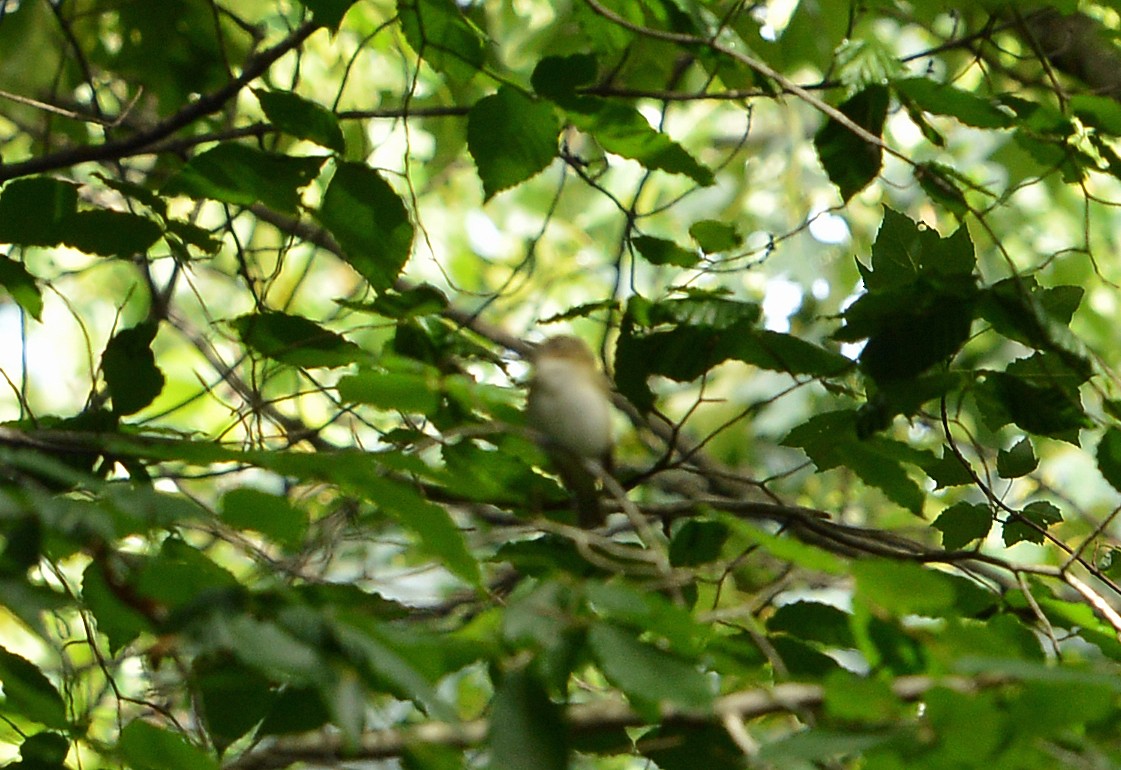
column 1018, row 461
column 850, row 161
column 962, row 523
column 527, row 730
column 511, row 137
column 1031, row 523
column 30, row 694
column 302, row 118
column 43, row 751
column 110, row 233
column 294, row 340
column 660, row 251
column 130, row 370
column 369, row 221
column 558, row 77
column 234, row 698
column 1109, row 457
column 813, row 622
column 33, row 211
column 22, row 286
column 697, row 542
column 243, row 175
column 690, row 747
column 329, row 13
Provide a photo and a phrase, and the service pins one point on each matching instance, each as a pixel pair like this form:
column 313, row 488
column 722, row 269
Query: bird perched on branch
column 570, row 406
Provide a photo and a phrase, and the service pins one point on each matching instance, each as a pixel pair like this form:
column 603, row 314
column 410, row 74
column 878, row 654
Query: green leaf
column 432, row 525
column 29, row 694
column 22, row 286
column 1037, row 407
column 622, row 130
column 294, row 340
column 329, row 13
column 788, row 549
column 369, row 221
column 271, row 515
column 120, row 623
column 527, row 730
column 813, row 622
column 1041, row 514
column 850, row 698
column 442, row 36
column 1109, row 457
column 962, row 523
column 558, row 77
column 905, row 249
column 42, row 751
column 130, row 369
column 410, row 392
column 697, row 542
column 234, row 698
column 902, row 588
column 110, row 233
column 850, row 161
column 660, row 251
column 243, row 175
column 689, row 747
column 714, row 236
column 780, row 352
column 270, row 649
column 301, row 117
column 147, row 747
column 649, row 676
column 945, row 99
column 831, row 440
column 511, row 137
column 1018, row 461
column 33, row 211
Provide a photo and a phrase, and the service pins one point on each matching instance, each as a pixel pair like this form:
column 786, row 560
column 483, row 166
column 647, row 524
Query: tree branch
column 141, row 142
column 582, row 719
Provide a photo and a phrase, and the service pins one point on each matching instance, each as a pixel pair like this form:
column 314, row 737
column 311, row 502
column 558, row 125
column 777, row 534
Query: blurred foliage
column 270, row 274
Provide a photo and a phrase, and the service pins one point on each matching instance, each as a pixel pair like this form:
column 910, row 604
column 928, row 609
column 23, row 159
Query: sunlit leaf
column 511, row 137
column 243, row 175
column 294, row 340
column 271, row 515
column 302, row 118
column 148, row 747
column 369, row 221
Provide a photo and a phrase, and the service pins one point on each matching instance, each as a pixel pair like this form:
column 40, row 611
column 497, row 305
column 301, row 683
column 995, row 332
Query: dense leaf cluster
column 270, row 273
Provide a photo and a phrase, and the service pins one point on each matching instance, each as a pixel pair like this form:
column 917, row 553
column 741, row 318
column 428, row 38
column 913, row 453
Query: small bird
column 570, row 405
